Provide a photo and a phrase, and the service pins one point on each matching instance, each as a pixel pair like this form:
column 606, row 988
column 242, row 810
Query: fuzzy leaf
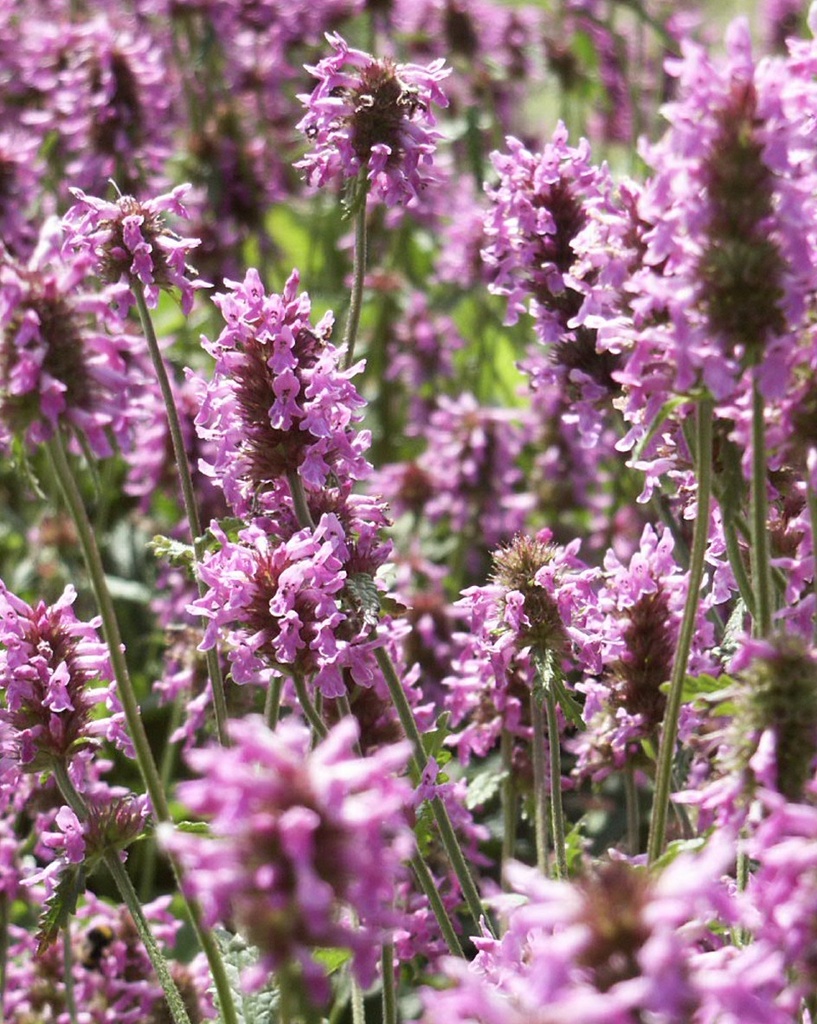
column 365, row 597
column 677, row 847
column 61, row 905
column 484, row 786
column 433, row 741
column 550, row 677
column 703, row 687
column 251, row 1007
column 733, row 632
column 199, row 828
column 172, row 551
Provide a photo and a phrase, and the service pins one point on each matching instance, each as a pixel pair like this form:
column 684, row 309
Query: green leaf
column 61, row 905
column 575, row 846
column 424, row 827
column 363, row 595
column 199, row 828
column 677, row 847
column 433, row 741
column 332, row 959
column 571, row 709
column 484, row 786
column 251, row 1007
column 172, row 551
column 550, row 677
column 703, row 687
column 733, row 632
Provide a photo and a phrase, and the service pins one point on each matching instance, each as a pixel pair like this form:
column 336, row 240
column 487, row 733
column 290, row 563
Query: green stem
column 540, row 789
column 136, row 730
column 432, row 893
column 358, row 1010
column 669, row 729
column 736, row 562
column 130, row 898
column 389, row 994
column 759, row 502
column 419, row 762
column 680, row 812
column 358, row 270
column 272, row 705
column 188, row 496
column 812, row 514
column 159, row 963
column 556, row 808
column 285, row 999
column 299, row 502
column 169, row 750
column 509, row 801
column 110, row 626
column 633, row 817
column 68, row 976
column 308, row 708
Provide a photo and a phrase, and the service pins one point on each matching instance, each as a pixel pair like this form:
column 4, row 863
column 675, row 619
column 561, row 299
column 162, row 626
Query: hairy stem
column 759, row 503
column 68, row 976
column 669, row 729
column 358, row 1010
column 131, row 900
column 110, row 625
column 130, row 706
column 508, row 797
column 812, row 515
column 633, row 816
column 389, row 994
column 557, row 813
column 299, row 502
column 272, row 704
column 426, row 882
column 191, row 508
column 308, row 708
column 420, row 760
column 540, row 788
column 358, row 270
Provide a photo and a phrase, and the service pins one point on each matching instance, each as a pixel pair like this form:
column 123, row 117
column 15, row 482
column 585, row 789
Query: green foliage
column 549, row 676
column 61, row 905
column 251, row 1007
column 484, row 784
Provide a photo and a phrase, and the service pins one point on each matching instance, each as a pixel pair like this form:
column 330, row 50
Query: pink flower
column 301, row 838
column 374, row 115
column 129, row 240
column 54, row 671
column 64, row 358
column 278, row 401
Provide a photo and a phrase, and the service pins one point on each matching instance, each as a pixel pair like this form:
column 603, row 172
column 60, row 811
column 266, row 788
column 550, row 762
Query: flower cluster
column 531, row 614
column 539, row 563
column 307, row 844
column 372, row 116
column 64, row 358
column 130, row 242
column 54, row 671
column 636, row 615
column 110, row 971
column 287, row 606
column 278, row 402
column 728, row 279
column 614, row 946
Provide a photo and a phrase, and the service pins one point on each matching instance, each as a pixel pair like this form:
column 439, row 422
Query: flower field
column 408, row 417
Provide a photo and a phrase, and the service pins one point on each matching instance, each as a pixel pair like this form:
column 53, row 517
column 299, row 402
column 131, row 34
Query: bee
column 95, row 941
